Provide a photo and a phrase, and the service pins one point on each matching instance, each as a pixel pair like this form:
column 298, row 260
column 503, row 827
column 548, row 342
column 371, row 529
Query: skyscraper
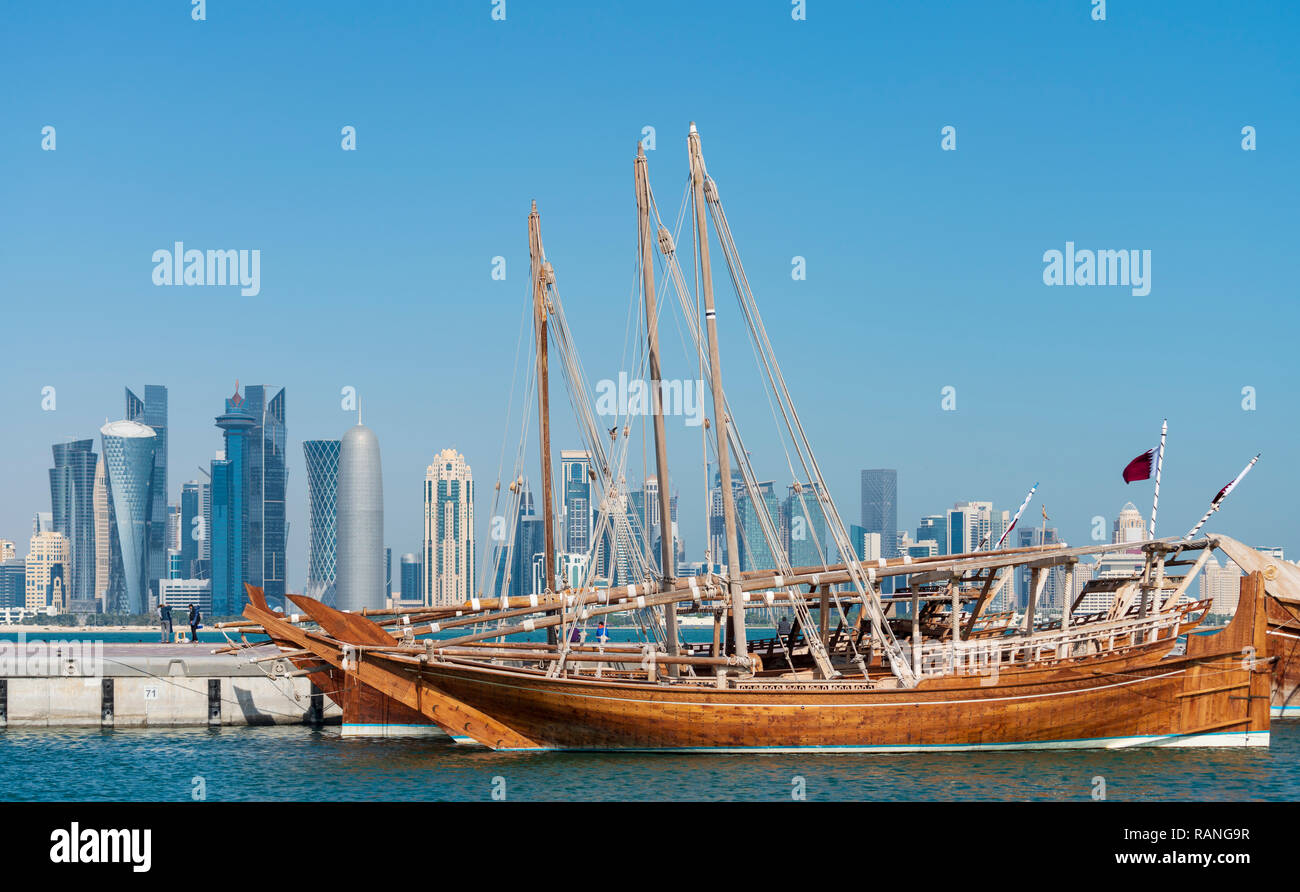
column 72, row 500
column 47, row 563
column 410, row 577
column 229, row 525
column 129, row 469
column 247, row 516
column 1129, row 525
column 103, row 534
column 575, row 483
column 265, row 483
column 360, row 513
column 530, row 543
column 970, row 524
column 322, row 518
column 1221, row 585
column 13, row 581
column 717, row 518
column 152, row 411
column 803, row 524
column 448, row 530
column 192, row 525
column 880, row 512
column 934, row 526
column 755, row 551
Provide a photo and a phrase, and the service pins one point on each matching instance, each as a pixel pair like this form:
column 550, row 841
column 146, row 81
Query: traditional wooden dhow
column 853, row 672
column 1216, row 693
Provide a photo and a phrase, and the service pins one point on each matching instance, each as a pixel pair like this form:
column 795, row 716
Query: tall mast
column 720, row 418
column 541, row 274
column 644, row 236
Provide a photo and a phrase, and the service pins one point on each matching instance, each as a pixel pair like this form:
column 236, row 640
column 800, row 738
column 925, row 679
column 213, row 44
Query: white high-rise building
column 1222, row 585
column 1129, row 526
column 47, row 570
column 448, row 530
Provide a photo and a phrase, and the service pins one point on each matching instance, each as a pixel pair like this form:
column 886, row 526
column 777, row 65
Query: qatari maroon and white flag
column 1217, row 502
column 1223, row 493
column 1141, row 468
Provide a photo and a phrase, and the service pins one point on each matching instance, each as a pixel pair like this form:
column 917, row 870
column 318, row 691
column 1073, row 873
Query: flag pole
column 1014, row 521
column 1160, row 460
column 1218, row 500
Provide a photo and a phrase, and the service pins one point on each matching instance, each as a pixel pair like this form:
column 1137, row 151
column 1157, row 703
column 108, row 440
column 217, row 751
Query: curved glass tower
column 322, row 517
column 360, row 512
column 129, row 464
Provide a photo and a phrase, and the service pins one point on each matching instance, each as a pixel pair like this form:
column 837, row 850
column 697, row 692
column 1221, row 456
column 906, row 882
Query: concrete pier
column 151, row 685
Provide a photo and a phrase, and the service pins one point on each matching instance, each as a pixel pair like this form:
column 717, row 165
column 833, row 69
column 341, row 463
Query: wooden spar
column 824, row 612
column 1037, row 580
column 645, row 237
column 722, row 422
column 956, row 611
column 987, row 594
column 581, row 656
column 916, row 630
column 1067, row 597
column 540, row 274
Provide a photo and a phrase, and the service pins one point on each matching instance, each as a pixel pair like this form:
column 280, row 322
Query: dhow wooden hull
column 1216, row 694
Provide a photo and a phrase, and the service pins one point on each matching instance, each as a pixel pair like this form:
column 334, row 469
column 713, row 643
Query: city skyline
column 780, row 512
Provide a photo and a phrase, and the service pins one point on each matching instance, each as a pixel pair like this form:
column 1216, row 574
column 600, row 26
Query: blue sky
column 924, row 267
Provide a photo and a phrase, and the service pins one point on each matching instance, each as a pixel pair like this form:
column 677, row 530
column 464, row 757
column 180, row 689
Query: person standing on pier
column 195, row 616
column 165, row 622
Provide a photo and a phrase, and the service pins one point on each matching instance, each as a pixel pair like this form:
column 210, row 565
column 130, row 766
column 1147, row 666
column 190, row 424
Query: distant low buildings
column 184, row 592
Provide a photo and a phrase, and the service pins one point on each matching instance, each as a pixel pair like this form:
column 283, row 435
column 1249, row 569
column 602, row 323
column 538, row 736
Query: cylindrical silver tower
column 360, row 522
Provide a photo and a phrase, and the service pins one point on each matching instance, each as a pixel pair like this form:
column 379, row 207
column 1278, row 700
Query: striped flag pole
column 1016, row 519
column 1160, row 460
column 1218, row 500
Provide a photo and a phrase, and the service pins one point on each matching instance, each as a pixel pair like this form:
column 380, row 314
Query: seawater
column 299, row 763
